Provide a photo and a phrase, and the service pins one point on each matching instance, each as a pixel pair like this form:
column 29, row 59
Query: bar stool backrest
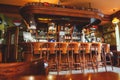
column 52, row 47
column 74, row 46
column 85, row 47
column 62, row 47
column 36, row 47
column 106, row 47
column 44, row 46
column 96, row 47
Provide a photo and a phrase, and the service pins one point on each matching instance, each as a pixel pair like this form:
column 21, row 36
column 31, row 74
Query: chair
column 96, row 49
column 45, row 50
column 64, row 63
column 106, row 54
column 52, row 56
column 37, row 49
column 118, row 58
column 73, row 49
column 49, row 54
column 87, row 58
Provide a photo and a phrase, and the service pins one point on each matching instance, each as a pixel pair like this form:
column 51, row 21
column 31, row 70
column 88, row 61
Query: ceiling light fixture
column 45, row 19
column 49, row 1
column 115, row 20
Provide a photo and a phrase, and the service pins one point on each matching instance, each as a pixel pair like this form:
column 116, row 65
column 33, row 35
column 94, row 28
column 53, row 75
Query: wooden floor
column 87, row 76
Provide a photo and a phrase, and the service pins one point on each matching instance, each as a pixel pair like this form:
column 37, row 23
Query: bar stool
column 96, row 55
column 64, row 63
column 37, row 49
column 45, row 50
column 52, row 57
column 73, row 49
column 27, row 51
column 87, row 58
column 107, row 54
column 118, row 58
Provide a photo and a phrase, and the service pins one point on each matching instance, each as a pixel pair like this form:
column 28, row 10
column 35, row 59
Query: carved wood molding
column 10, row 10
column 38, row 9
column 58, row 11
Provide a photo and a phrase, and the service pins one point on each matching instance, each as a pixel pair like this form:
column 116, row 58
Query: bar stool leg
column 104, row 61
column 70, row 61
column 110, row 60
column 83, row 60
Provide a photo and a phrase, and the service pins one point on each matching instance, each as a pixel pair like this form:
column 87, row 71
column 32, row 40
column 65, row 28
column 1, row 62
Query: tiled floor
column 115, row 69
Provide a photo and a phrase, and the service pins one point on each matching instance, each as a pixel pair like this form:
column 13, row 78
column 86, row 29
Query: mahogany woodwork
column 10, row 10
column 35, row 67
column 11, row 38
column 13, row 11
column 36, row 9
column 71, row 14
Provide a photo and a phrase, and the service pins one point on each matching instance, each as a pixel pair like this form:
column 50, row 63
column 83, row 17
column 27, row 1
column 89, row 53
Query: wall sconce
column 115, row 20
